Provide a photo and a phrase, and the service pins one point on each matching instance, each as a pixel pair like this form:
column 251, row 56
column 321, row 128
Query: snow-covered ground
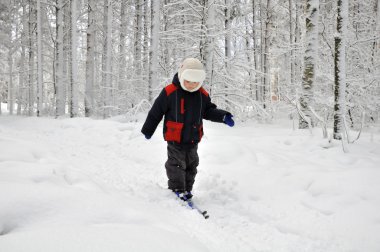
column 98, row 185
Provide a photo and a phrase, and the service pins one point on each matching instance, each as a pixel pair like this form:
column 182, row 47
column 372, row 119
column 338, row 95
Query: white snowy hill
column 83, row 185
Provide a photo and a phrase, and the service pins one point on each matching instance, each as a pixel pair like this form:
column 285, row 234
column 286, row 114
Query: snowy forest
column 319, row 58
column 78, row 77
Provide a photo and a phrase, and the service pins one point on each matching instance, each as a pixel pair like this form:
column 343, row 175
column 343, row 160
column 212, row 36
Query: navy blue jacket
column 183, row 113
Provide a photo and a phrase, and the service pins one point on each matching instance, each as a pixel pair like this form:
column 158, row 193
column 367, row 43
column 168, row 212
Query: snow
column 99, row 185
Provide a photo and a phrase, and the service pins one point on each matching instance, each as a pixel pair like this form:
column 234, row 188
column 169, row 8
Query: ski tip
column 205, row 215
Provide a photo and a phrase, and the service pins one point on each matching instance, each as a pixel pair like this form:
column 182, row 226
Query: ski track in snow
column 98, row 185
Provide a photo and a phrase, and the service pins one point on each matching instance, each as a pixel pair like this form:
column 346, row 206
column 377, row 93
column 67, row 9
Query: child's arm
column 214, row 114
column 155, row 115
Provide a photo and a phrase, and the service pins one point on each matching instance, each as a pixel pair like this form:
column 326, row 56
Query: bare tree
column 21, row 93
column 39, row 60
column 138, row 38
column 89, row 101
column 31, row 25
column 255, row 90
column 122, row 54
column 207, row 45
column 291, row 42
column 59, row 77
column 107, row 59
column 73, row 96
column 266, row 42
column 310, row 58
column 153, row 52
column 340, row 68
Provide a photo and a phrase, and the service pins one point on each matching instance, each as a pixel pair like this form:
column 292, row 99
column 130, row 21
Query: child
column 184, row 103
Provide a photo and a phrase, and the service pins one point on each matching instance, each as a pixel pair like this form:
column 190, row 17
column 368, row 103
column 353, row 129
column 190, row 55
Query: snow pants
column 181, row 167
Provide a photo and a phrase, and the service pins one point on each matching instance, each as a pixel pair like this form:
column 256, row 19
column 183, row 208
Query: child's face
column 189, row 85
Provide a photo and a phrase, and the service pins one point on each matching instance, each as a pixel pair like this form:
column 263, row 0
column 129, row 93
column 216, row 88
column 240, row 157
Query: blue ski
column 192, row 205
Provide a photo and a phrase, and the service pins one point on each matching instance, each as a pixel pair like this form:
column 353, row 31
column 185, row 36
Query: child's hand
column 228, row 120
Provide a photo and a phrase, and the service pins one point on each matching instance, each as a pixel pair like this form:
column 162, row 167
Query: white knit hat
column 191, row 70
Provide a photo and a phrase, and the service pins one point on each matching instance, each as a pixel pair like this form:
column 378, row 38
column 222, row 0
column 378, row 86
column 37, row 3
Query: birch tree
column 122, row 55
column 153, row 52
column 145, row 46
column 310, row 60
column 138, row 38
column 291, row 42
column 39, row 61
column 107, row 59
column 255, row 51
column 89, row 101
column 340, row 68
column 266, row 42
column 21, row 73
column 228, row 37
column 6, row 35
column 59, row 78
column 10, row 100
column 207, row 39
column 31, row 76
column 73, row 104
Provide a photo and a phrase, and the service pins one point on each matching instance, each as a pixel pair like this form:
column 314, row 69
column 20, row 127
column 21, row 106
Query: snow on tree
column 89, row 99
column 153, row 52
column 31, row 55
column 122, row 78
column 60, row 94
column 39, row 61
column 310, row 61
column 257, row 54
column 340, row 69
column 73, row 96
column 107, row 60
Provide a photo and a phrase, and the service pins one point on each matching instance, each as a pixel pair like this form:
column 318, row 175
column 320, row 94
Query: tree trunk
column 255, row 52
column 165, row 44
column 207, row 41
column 66, row 53
column 138, row 38
column 10, row 100
column 122, row 57
column 340, row 69
column 291, row 42
column 146, row 37
column 59, row 83
column 266, row 66
column 297, row 39
column 21, row 78
column 39, row 61
column 227, row 37
column 73, row 105
column 107, row 59
column 262, row 52
column 153, row 63
column 90, row 61
column 310, row 60
column 31, row 61
column 377, row 31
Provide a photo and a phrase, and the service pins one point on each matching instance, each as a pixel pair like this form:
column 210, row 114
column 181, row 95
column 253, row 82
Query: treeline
column 104, row 58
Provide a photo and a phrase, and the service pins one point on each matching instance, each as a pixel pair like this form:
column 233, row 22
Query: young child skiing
column 184, row 103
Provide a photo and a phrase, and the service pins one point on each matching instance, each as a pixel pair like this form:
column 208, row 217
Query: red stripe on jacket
column 203, row 91
column 170, row 89
column 182, row 106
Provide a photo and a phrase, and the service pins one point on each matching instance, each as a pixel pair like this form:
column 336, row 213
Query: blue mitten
column 228, row 120
column 147, row 137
